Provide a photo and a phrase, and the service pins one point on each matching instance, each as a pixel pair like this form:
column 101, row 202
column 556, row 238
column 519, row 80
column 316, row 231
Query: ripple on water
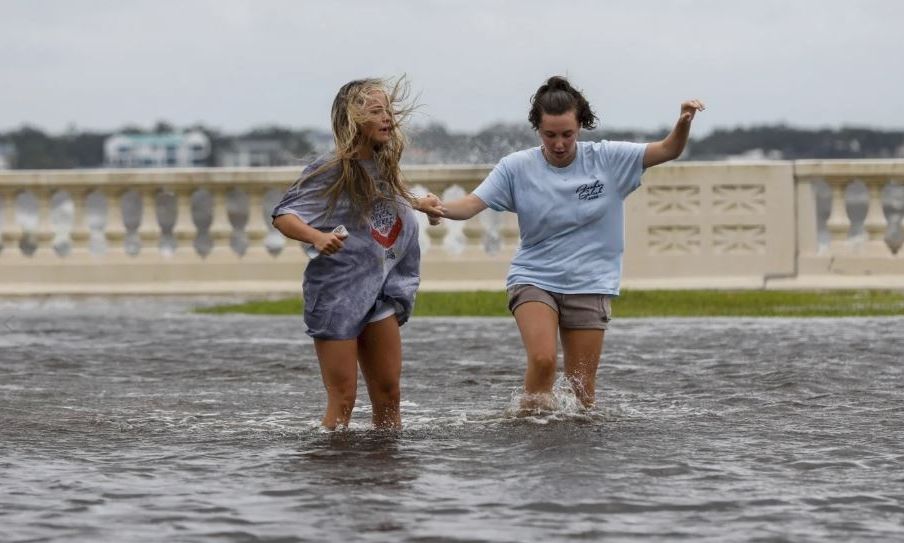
column 138, row 421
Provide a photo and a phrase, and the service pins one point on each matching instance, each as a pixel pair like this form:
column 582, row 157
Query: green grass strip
column 644, row 303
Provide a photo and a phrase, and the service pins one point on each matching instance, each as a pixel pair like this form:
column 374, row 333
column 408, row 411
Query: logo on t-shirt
column 385, row 224
column 591, row 191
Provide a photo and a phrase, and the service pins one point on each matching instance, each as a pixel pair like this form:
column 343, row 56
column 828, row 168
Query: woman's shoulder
column 603, row 145
column 524, row 156
column 322, row 168
column 608, row 150
column 324, row 161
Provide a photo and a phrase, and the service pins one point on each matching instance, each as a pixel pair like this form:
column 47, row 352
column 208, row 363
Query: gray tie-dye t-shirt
column 378, row 267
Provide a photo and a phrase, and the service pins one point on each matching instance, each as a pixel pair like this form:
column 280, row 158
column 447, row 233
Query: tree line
column 434, row 144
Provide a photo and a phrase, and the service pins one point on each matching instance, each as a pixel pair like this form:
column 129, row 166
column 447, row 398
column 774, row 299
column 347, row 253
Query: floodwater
column 136, row 420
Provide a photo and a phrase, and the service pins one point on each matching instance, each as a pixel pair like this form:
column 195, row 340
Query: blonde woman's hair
column 349, row 115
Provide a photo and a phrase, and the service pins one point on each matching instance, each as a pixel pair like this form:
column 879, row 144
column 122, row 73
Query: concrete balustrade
column 776, row 224
column 854, row 235
column 711, row 225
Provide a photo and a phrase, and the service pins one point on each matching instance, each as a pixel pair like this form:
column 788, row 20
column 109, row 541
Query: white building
column 156, row 150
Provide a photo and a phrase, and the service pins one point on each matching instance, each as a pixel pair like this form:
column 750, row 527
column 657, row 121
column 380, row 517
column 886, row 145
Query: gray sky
column 237, row 64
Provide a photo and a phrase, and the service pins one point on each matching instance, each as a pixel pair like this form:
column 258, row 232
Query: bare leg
column 538, row 324
column 339, row 370
column 582, row 350
column 380, row 353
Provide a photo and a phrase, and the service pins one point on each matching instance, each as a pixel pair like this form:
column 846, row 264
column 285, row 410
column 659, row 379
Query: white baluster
column 875, row 224
column 184, row 229
column 115, row 221
column 258, row 218
column 838, row 223
column 220, row 228
column 149, row 229
column 80, row 234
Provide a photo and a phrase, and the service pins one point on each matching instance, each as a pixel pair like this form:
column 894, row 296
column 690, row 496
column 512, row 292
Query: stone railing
column 769, row 224
column 849, row 220
column 711, row 225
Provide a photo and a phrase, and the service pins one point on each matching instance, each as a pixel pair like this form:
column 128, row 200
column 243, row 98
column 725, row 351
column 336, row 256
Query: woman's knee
column 542, row 364
column 343, row 392
column 386, row 392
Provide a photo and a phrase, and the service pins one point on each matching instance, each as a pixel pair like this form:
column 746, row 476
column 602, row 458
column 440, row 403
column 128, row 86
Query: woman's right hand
column 328, row 243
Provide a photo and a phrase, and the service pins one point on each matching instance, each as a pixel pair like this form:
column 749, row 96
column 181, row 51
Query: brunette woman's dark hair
column 556, row 97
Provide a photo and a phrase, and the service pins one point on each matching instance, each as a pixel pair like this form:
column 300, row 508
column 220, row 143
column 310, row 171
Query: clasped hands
column 431, row 206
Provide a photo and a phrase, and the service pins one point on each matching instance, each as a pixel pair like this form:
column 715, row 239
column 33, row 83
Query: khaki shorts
column 585, row 311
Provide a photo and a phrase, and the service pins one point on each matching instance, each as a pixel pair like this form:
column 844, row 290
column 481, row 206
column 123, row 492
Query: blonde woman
column 355, row 213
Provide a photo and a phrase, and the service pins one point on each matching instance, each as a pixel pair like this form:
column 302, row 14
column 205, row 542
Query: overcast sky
column 237, row 64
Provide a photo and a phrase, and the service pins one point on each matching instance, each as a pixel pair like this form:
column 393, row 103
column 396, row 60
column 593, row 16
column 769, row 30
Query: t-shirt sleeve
column 625, row 162
column 304, row 199
column 496, row 189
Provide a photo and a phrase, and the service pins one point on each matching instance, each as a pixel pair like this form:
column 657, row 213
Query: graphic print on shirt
column 591, row 191
column 385, row 225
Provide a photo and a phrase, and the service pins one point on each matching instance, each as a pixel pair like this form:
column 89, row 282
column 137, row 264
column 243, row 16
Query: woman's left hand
column 689, row 109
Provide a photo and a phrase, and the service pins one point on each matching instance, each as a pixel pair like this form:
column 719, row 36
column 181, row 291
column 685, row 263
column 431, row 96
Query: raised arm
column 463, row 208
column 673, row 145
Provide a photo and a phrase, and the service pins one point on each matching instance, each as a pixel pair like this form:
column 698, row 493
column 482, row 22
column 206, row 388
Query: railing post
column 149, row 228
column 184, row 229
column 220, row 228
column 256, row 227
column 874, row 224
column 116, row 220
column 79, row 235
column 838, row 224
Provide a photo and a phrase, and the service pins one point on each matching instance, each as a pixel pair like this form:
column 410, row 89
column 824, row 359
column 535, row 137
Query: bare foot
column 539, row 402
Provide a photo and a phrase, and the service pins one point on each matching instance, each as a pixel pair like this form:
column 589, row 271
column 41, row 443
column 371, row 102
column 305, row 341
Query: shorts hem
column 522, row 302
column 585, row 326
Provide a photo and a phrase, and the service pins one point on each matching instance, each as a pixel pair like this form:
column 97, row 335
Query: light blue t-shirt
column 572, row 218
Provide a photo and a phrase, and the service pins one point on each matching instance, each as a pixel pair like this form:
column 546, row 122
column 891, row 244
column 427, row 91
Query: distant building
column 156, row 150
column 7, row 155
column 256, row 154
